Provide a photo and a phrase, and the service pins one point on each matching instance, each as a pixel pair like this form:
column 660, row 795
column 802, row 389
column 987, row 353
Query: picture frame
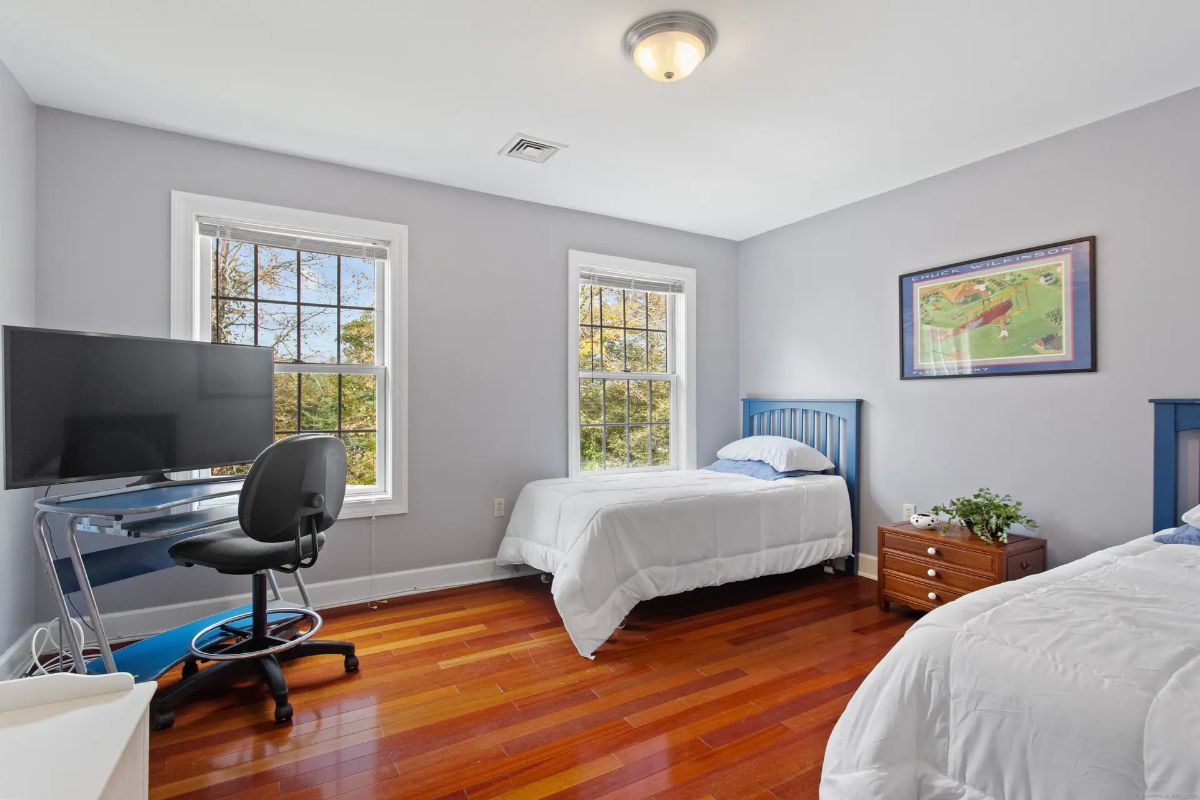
column 1025, row 312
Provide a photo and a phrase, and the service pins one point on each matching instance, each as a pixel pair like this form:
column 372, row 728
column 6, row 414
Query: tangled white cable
column 62, row 661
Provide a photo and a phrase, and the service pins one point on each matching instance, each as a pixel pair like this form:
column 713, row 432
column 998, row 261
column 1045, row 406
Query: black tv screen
column 83, row 406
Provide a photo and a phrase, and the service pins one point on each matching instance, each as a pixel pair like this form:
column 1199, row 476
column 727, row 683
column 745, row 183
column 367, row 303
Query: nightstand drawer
column 1029, row 563
column 939, row 551
column 918, row 595
column 943, row 575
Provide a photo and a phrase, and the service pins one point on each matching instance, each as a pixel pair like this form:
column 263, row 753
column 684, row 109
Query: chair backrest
column 293, row 478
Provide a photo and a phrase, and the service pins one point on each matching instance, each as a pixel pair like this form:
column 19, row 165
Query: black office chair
column 293, row 492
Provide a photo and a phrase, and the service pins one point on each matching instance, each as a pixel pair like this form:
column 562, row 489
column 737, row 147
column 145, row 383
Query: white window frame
column 191, row 304
column 682, row 354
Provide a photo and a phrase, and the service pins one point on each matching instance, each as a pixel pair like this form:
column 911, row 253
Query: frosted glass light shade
column 669, row 56
column 668, row 47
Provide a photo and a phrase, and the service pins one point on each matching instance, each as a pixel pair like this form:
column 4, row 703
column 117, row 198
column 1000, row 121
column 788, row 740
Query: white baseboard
column 17, row 659
column 868, row 566
column 142, row 622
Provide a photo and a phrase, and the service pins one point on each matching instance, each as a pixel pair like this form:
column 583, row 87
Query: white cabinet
column 77, row 736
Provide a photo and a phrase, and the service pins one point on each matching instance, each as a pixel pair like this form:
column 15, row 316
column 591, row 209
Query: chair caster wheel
column 163, row 719
column 190, row 667
column 283, row 713
column 351, row 663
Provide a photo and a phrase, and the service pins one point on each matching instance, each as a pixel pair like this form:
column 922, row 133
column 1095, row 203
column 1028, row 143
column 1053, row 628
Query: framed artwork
column 1025, row 312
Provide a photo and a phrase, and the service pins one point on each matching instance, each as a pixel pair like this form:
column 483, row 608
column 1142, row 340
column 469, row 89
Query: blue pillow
column 1184, row 534
column 753, row 469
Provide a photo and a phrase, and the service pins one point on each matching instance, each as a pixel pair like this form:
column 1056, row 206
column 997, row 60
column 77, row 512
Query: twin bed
column 611, row 541
column 1080, row 682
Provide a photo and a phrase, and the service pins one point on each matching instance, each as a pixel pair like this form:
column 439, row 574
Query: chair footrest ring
column 208, row 655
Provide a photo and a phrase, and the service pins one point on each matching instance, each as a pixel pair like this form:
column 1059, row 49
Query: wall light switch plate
column 498, row 507
column 909, row 510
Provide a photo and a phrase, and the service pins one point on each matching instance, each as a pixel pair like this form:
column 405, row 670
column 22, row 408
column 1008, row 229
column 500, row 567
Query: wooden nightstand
column 925, row 569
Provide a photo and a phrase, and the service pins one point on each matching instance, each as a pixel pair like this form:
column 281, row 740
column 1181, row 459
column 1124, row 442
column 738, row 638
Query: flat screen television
column 84, row 406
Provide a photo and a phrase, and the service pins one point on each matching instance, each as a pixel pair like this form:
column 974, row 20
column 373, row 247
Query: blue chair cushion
column 1184, row 534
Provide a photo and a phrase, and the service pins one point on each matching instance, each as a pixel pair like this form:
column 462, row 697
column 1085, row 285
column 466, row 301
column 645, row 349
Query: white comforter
column 614, row 540
column 1081, row 682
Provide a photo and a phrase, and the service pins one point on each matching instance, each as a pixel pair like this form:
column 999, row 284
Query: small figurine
column 923, row 521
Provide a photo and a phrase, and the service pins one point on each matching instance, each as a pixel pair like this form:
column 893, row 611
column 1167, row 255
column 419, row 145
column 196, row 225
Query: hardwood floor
column 473, row 693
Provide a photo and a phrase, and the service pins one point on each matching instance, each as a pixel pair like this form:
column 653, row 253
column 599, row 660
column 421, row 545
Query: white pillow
column 1192, row 517
column 780, row 452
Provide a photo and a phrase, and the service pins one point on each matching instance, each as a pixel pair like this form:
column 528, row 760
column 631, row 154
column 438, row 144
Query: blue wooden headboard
column 831, row 426
column 1171, row 417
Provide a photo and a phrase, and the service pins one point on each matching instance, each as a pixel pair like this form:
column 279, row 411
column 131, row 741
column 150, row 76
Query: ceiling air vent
column 527, row 148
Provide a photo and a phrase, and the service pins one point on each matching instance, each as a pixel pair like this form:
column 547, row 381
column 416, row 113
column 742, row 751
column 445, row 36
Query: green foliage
column 986, row 514
column 358, row 402
column 358, row 338
column 360, row 459
column 319, row 392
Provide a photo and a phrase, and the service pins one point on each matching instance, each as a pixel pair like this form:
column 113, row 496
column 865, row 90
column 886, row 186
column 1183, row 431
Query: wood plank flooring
column 476, row 693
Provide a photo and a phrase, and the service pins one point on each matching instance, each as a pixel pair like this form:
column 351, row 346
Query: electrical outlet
column 909, row 510
column 498, row 507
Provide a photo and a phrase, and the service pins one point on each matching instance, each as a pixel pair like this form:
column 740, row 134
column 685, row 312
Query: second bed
column 611, row 541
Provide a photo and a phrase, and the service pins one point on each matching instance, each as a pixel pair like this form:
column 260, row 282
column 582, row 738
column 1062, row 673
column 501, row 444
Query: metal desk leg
column 41, row 537
column 274, row 585
column 89, row 597
column 303, row 590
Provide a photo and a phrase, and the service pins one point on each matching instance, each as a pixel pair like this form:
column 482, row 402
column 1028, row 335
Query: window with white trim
column 325, row 293
column 632, row 357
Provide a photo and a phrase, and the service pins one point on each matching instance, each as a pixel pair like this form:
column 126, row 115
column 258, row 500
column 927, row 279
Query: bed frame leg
column 849, row 566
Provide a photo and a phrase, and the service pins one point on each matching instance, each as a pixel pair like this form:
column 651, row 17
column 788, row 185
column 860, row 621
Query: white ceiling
column 804, row 106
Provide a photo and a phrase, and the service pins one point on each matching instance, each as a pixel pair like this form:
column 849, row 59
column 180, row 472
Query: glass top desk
column 156, row 516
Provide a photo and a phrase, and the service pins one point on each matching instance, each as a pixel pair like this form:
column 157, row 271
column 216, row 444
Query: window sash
column 208, row 241
column 628, row 376
column 670, row 332
column 633, row 283
column 660, row 377
column 208, row 253
column 346, row 369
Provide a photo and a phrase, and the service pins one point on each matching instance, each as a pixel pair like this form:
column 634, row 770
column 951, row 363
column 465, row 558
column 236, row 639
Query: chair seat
column 231, row 551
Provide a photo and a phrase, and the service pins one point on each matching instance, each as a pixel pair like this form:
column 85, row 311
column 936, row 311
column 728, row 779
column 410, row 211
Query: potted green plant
column 985, row 514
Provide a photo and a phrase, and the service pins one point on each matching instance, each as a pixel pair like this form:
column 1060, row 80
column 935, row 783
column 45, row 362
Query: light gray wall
column 18, row 568
column 818, row 317
column 487, row 281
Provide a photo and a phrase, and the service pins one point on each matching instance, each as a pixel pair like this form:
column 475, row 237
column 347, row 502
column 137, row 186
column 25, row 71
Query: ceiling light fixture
column 669, row 46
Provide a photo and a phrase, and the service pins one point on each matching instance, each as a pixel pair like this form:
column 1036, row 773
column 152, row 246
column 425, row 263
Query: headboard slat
column 835, row 446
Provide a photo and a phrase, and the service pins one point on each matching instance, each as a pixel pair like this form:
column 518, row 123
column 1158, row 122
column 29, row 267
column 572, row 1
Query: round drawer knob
column 933, row 596
column 932, row 573
column 1025, row 565
column 932, row 551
